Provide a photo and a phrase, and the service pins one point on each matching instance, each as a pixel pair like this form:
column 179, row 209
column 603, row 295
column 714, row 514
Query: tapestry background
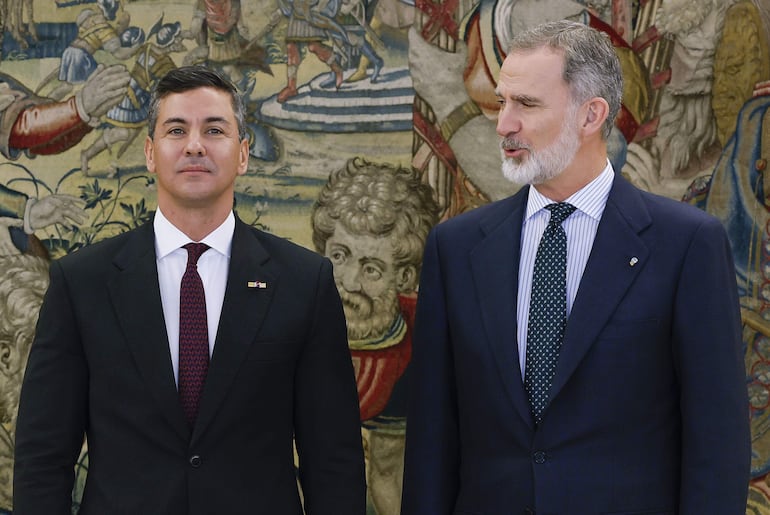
column 400, row 94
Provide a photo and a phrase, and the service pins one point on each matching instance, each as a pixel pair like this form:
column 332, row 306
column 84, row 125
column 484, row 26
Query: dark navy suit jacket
column 648, row 411
column 280, row 370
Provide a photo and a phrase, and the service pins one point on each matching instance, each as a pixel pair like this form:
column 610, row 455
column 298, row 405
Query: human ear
column 596, row 112
column 243, row 156
column 406, row 279
column 149, row 159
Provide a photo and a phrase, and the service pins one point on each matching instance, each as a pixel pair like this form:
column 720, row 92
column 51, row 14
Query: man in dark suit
column 631, row 396
column 170, row 430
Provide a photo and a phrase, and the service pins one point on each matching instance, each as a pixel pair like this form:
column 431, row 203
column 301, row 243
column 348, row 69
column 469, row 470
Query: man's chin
column 365, row 331
column 514, row 172
column 523, row 174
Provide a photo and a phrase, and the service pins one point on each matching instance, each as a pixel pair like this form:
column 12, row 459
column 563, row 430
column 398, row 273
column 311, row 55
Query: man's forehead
column 537, row 51
column 201, row 98
column 186, row 108
column 348, row 230
column 531, row 59
column 531, row 68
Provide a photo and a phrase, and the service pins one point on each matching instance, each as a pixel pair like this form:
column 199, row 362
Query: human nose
column 508, row 122
column 349, row 277
column 194, row 146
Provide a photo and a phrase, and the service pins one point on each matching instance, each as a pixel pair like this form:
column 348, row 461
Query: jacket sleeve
column 52, row 408
column 327, row 423
column 708, row 357
column 12, row 203
column 432, row 445
column 48, row 128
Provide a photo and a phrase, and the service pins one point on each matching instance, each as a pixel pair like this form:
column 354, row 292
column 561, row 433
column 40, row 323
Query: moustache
column 510, row 143
column 192, row 161
column 356, row 301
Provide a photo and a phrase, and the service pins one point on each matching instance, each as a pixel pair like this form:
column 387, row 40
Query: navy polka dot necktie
column 193, row 334
column 547, row 309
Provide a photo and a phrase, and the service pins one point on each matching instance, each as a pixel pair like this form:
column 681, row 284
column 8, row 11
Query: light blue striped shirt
column 580, row 228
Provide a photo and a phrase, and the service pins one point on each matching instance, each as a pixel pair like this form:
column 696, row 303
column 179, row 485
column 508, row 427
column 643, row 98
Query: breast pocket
column 629, row 346
column 273, row 351
column 625, row 331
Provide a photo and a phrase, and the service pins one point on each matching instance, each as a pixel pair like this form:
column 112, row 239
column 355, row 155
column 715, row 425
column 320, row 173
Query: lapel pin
column 257, row 284
column 634, row 260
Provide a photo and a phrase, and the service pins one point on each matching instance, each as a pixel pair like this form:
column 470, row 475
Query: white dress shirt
column 212, row 267
column 580, row 228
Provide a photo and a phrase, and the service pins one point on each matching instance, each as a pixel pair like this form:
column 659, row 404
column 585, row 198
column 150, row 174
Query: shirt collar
column 590, row 199
column 168, row 238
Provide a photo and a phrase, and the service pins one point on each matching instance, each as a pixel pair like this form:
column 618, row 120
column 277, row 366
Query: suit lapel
column 495, row 265
column 607, row 277
column 243, row 311
column 135, row 293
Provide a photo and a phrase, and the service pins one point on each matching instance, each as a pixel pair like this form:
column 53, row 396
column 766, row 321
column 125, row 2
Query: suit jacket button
column 529, row 511
column 539, row 457
column 195, row 461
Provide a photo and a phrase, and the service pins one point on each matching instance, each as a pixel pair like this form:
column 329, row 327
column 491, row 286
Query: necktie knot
column 194, row 251
column 559, row 212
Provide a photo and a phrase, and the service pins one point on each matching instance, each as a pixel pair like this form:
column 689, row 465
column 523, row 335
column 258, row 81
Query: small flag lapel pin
column 634, row 260
column 257, row 284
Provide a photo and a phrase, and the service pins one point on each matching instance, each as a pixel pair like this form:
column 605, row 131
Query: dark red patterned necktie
column 193, row 334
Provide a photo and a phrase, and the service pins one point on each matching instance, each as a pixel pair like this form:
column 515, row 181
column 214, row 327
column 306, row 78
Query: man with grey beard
column 577, row 347
column 371, row 221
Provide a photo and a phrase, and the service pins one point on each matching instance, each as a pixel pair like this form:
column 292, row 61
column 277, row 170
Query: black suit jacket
column 648, row 411
column 280, row 368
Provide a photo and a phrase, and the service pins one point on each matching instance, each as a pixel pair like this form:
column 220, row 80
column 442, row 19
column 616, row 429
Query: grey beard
column 367, row 317
column 543, row 165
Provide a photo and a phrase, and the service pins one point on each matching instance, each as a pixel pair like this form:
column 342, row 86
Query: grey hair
column 591, row 66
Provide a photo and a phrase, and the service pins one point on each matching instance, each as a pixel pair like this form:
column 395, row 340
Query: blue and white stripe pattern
column 580, row 228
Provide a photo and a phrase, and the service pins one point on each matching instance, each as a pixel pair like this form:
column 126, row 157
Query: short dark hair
column 188, row 78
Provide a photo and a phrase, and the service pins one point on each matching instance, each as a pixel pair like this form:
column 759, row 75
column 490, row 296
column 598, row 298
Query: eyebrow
column 526, row 99
column 369, row 259
column 340, row 245
column 183, row 121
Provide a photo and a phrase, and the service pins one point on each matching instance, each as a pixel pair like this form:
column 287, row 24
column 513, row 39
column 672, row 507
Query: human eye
column 175, row 131
column 338, row 256
column 527, row 102
column 372, row 272
column 215, row 130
